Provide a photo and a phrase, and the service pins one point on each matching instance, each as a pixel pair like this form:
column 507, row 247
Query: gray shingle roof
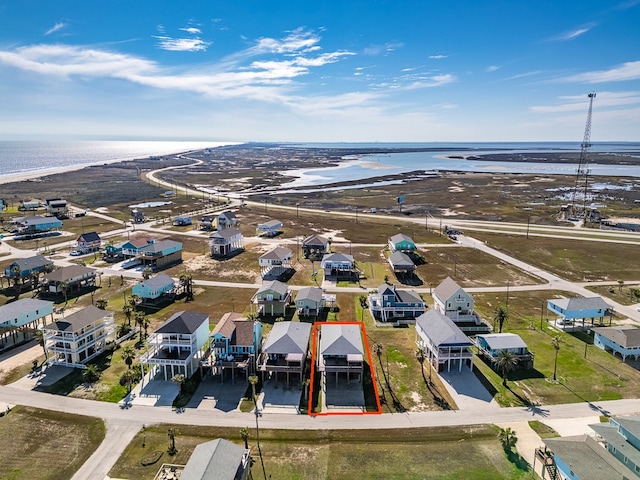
column 615, row 439
column 288, row 337
column 314, row 240
column 183, row 322
column 218, row 459
column 160, row 280
column 626, row 337
column 278, row 253
column 78, row 320
column 311, row 293
column 276, row 286
column 337, row 257
column 502, row 341
column 446, row 289
column 341, row 339
column 24, row 305
column 226, row 234
column 441, row 329
column 579, row 304
column 588, row 460
column 67, row 273
column 400, row 259
column 159, row 246
column 30, row 263
column 400, row 237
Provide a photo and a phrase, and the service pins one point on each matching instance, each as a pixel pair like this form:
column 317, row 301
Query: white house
column 270, row 228
column 452, row 301
column 338, row 264
column 446, row 346
column 226, row 242
column 178, row 345
column 275, row 262
column 81, row 336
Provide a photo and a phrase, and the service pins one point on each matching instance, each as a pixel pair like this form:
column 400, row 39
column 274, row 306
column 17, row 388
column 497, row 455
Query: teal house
column 571, row 309
column 24, row 267
column 402, row 243
column 155, row 288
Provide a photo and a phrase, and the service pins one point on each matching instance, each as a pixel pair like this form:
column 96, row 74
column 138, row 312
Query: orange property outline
column 313, row 370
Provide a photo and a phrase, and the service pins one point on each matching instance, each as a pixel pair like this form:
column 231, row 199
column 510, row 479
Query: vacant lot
column 429, row 453
column 574, row 260
column 41, row 444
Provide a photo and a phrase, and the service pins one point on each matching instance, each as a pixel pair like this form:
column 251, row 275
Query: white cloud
column 192, row 30
column 579, row 103
column 624, row 72
column 385, row 49
column 298, row 40
column 523, row 75
column 432, row 81
column 438, row 57
column 58, row 26
column 573, row 34
column 492, row 68
column 182, row 44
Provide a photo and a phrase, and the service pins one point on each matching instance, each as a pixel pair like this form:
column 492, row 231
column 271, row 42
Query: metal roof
column 503, row 341
column 441, row 329
column 219, row 459
column 341, row 339
column 580, row 303
column 288, row 337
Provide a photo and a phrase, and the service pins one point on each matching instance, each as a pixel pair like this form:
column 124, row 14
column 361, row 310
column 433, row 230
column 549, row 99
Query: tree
column 500, row 316
column 187, row 283
column 507, row 438
column 140, row 319
column 128, row 355
column 145, row 326
column 16, row 274
column 147, row 272
column 64, row 287
column 506, row 362
column 41, row 342
column 101, row 303
column 244, row 433
column 91, row 374
column 126, row 309
column 555, row 343
column 129, row 377
column 122, row 330
column 133, row 301
column 179, row 378
column 620, row 285
column 171, row 433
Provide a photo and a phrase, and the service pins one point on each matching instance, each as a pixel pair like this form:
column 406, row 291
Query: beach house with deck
column 446, row 346
column 452, row 301
column 340, row 350
column 285, row 350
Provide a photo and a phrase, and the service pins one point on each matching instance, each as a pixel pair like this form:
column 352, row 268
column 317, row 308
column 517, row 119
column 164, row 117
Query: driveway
column 467, row 391
column 278, row 398
column 154, row 393
column 212, row 394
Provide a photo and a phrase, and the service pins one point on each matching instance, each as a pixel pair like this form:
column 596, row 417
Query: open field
column 574, row 260
column 41, row 444
column 623, row 294
column 429, row 453
column 599, row 376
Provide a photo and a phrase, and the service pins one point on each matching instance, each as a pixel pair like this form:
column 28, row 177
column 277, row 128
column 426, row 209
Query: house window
column 269, row 297
column 613, row 449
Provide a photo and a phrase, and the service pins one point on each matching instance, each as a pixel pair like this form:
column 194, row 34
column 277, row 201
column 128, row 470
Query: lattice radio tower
column 582, row 174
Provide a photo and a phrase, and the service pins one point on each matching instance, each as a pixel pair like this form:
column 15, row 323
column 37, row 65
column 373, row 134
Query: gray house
column 446, row 346
column 309, row 301
column 285, row 349
column 401, row 263
column 341, row 350
column 219, row 459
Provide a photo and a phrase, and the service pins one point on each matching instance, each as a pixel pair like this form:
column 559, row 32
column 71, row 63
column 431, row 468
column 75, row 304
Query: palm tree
column 179, row 378
column 41, row 342
column 16, row 273
column 147, row 272
column 171, row 433
column 421, row 355
column 129, row 377
column 187, row 283
column 555, row 343
column 506, row 362
column 126, row 309
column 145, row 326
column 64, row 286
column 128, row 355
column 122, row 330
column 244, row 433
column 91, row 374
column 620, row 285
column 500, row 316
column 133, row 301
column 507, row 438
column 101, row 303
column 140, row 318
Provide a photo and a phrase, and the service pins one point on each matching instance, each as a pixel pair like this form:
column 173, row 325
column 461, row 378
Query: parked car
column 75, row 253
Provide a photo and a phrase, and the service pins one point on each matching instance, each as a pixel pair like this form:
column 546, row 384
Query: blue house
column 492, row 345
column 402, row 243
column 33, row 225
column 20, row 319
column 572, row 309
column 155, row 288
column 400, row 306
column 622, row 438
column 24, row 267
column 625, row 341
column 235, row 344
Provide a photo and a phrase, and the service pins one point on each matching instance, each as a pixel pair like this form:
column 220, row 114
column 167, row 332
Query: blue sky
column 339, row 70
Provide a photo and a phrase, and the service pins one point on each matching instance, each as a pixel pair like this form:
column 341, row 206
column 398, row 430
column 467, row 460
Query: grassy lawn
column 41, row 444
column 623, row 294
column 575, row 260
column 429, row 453
column 599, row 376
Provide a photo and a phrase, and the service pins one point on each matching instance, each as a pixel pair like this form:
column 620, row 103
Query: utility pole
column 528, row 222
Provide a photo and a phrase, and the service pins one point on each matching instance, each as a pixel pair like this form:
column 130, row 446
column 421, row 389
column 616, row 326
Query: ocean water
column 23, row 157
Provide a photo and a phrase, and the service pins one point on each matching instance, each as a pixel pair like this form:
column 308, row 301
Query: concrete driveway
column 212, row 394
column 278, row 398
column 467, row 391
column 155, row 393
